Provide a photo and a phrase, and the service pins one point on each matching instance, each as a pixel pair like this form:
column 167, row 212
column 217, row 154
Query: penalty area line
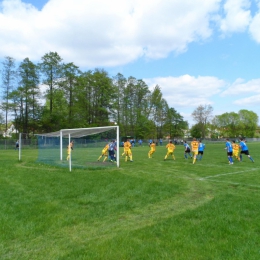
column 224, row 174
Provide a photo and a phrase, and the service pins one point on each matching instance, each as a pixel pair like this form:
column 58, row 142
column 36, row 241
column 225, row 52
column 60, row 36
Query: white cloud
column 248, row 101
column 101, row 32
column 255, row 25
column 237, row 16
column 186, row 93
column 241, row 87
column 110, row 33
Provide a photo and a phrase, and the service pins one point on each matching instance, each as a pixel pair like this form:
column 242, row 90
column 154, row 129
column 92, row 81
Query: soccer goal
column 78, row 147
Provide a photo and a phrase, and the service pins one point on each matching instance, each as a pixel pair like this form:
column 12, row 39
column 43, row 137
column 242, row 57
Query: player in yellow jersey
column 170, row 150
column 127, row 151
column 236, row 148
column 104, row 153
column 152, row 149
column 69, row 149
column 194, row 149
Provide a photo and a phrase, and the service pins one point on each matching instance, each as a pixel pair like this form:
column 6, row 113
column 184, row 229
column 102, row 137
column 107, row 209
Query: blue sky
column 199, row 52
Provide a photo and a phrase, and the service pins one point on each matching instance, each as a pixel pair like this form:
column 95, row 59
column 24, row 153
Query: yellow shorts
column 195, row 152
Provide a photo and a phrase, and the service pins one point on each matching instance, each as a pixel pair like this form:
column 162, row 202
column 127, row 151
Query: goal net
column 79, row 147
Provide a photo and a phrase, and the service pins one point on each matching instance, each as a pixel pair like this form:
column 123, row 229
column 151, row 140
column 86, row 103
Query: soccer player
column 186, row 150
column 127, row 151
column 194, row 149
column 170, row 150
column 69, row 149
column 129, row 143
column 229, row 149
column 244, row 150
column 236, row 149
column 104, row 153
column 201, row 150
column 111, row 150
column 17, row 145
column 152, row 149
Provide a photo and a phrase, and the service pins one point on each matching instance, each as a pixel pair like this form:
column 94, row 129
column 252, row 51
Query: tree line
column 230, row 124
column 78, row 99
column 75, row 99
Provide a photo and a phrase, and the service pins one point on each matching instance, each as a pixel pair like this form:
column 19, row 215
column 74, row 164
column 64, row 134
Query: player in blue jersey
column 244, row 150
column 229, row 149
column 201, row 150
column 186, row 150
column 111, row 150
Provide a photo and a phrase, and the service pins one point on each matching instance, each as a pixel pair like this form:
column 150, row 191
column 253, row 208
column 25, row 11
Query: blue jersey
column 243, row 146
column 112, row 146
column 229, row 147
column 186, row 146
column 201, row 147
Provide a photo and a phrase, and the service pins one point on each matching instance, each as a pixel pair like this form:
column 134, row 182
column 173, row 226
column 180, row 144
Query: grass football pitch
column 147, row 209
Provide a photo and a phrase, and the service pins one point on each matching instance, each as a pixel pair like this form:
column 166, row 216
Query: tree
column 195, row 130
column 228, row 124
column 68, row 85
column 51, row 68
column 8, row 84
column 160, row 117
column 139, row 97
column 29, row 94
column 119, row 83
column 175, row 125
column 157, row 110
column 202, row 115
column 243, row 123
column 249, row 121
column 102, row 95
column 130, row 105
column 94, row 95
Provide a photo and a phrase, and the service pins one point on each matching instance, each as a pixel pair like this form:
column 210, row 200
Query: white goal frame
column 81, row 132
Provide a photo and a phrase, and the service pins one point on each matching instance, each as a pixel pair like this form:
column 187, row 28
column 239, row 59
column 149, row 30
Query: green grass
column 148, row 209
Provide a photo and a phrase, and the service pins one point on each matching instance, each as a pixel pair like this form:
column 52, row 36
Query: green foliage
column 8, row 74
column 93, row 99
column 175, row 125
column 51, row 68
column 196, row 130
column 243, row 123
column 249, row 121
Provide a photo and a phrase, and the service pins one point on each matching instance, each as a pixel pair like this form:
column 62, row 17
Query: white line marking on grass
column 230, row 173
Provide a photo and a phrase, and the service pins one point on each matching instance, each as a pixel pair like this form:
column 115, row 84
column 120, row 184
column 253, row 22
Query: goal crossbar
column 79, row 132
